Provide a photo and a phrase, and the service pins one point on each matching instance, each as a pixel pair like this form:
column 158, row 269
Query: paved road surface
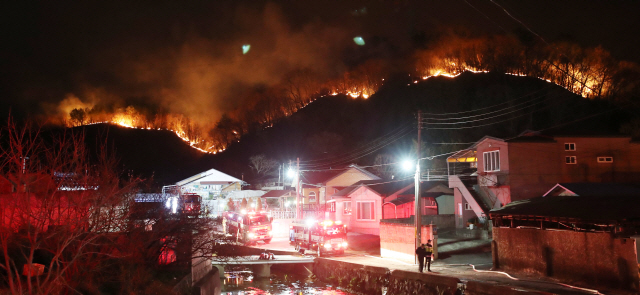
column 467, row 259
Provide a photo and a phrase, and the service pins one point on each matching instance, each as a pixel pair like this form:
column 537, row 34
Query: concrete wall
column 365, row 279
column 462, row 214
column 397, row 240
column 446, row 204
column 371, row 280
column 594, row 258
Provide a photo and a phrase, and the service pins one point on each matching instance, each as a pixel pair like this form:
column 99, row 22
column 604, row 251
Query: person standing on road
column 428, row 248
column 422, row 253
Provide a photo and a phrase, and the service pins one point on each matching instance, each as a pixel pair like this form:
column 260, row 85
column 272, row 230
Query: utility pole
column 417, row 203
column 279, row 170
column 298, row 205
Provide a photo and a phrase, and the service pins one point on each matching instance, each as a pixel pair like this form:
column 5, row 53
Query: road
column 462, row 258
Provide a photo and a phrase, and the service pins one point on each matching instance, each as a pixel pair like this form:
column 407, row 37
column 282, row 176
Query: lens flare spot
column 359, row 41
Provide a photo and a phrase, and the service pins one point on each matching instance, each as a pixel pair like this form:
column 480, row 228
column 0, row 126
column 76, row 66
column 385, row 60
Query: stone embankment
column 373, row 280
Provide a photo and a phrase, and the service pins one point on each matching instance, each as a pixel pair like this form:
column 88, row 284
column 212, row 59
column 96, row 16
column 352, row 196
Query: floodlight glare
column 407, row 165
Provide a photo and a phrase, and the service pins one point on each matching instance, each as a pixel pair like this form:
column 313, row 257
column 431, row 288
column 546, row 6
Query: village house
column 210, row 184
column 281, row 200
column 213, row 187
column 316, row 187
column 362, row 205
column 494, row 172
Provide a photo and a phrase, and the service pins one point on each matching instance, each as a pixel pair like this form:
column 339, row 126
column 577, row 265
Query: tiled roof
column 319, row 177
column 387, row 188
column 277, row 193
column 587, row 208
column 595, row 189
column 323, row 176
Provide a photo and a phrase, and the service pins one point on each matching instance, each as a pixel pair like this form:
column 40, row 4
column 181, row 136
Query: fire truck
column 249, row 227
column 324, row 237
column 191, row 204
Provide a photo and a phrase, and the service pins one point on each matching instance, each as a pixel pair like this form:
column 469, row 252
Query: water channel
column 289, row 281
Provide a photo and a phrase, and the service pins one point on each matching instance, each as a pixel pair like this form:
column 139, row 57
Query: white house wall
column 372, row 227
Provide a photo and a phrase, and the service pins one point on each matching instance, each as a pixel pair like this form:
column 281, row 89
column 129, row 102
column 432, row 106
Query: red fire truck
column 249, row 227
column 324, row 237
column 191, row 204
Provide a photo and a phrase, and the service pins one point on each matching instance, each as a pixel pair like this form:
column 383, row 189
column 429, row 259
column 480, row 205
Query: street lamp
column 295, row 174
column 407, row 165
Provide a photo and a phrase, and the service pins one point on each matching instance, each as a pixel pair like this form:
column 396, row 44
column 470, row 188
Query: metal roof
column 211, row 176
column 586, row 208
column 277, row 193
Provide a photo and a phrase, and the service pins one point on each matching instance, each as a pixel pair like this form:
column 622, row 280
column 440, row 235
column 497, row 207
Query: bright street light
column 407, row 165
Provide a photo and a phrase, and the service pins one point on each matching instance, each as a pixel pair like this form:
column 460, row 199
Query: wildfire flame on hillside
column 589, row 74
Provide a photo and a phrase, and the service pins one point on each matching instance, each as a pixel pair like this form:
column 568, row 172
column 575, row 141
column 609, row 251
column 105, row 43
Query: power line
column 492, row 106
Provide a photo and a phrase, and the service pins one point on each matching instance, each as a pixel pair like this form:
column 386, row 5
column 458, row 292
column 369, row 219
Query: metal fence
column 277, row 214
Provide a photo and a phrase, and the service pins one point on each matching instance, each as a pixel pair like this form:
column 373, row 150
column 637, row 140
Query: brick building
column 494, row 172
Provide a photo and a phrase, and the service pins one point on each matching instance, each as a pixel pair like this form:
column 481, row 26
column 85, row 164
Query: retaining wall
column 373, row 280
column 366, row 279
column 397, row 240
column 408, row 282
column 597, row 258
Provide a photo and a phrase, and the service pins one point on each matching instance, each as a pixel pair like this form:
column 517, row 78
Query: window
column 332, row 207
column 365, row 211
column 570, row 146
column 346, row 208
column 467, row 206
column 605, row 159
column 312, row 197
column 570, row 160
column 491, row 161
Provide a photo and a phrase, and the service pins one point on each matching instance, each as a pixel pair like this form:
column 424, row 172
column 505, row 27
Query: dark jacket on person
column 421, row 252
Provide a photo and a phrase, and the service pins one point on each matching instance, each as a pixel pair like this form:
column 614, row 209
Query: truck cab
column 324, row 237
column 248, row 228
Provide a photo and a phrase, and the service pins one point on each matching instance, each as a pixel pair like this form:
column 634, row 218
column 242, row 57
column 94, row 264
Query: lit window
column 570, row 146
column 467, row 206
column 365, row 211
column 346, row 208
column 332, row 207
column 570, row 160
column 312, row 197
column 605, row 159
column 491, row 161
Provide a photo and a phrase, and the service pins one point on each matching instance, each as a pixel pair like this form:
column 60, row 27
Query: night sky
column 186, row 56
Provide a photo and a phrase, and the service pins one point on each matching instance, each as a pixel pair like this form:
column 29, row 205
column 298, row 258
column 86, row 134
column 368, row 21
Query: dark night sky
column 185, row 56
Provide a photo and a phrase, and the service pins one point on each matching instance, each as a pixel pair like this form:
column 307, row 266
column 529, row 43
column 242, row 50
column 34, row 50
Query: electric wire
column 492, row 106
column 483, row 119
column 357, row 154
column 496, row 111
column 381, row 140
